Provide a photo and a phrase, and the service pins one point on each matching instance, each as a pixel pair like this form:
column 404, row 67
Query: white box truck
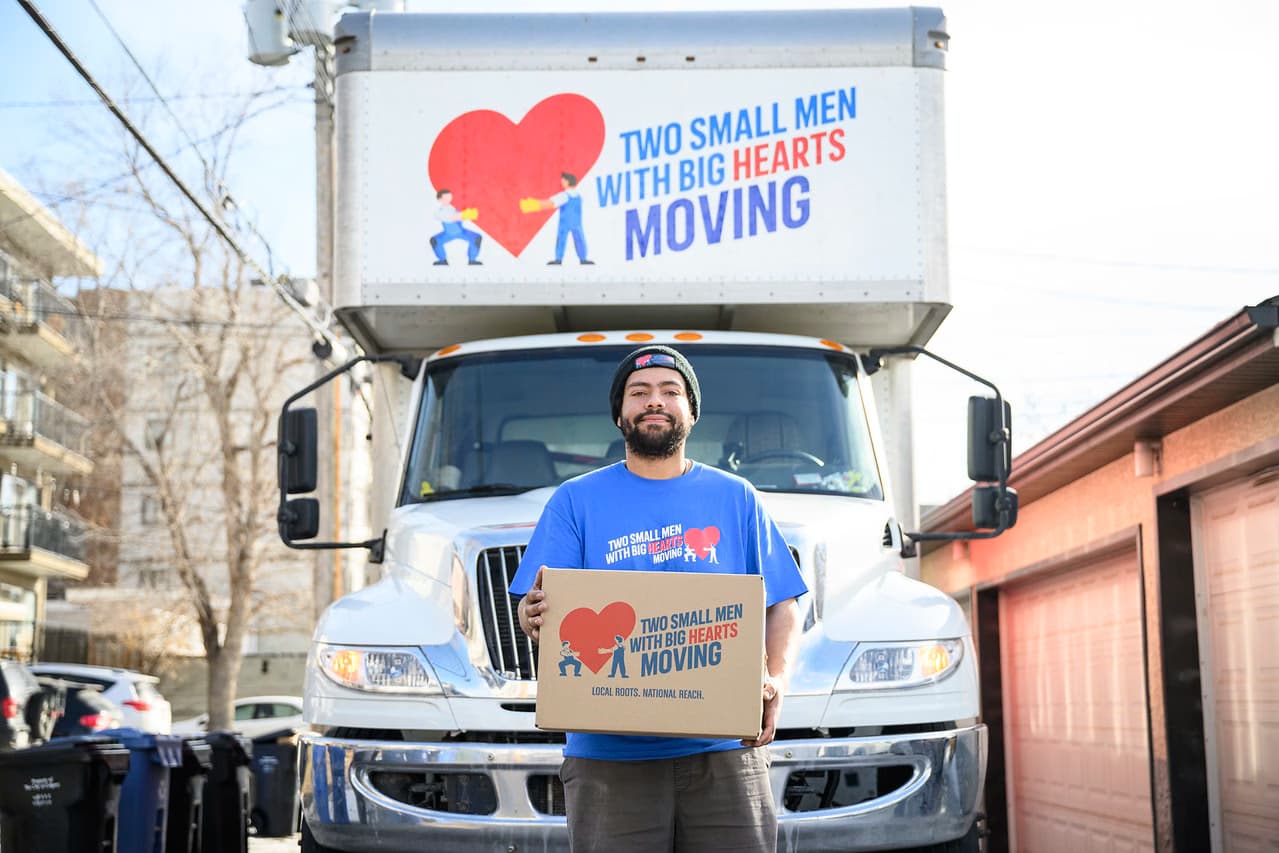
column 521, row 200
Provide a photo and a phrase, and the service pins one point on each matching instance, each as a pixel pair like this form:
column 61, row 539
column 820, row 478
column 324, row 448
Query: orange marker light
column 449, row 350
column 935, row 660
column 689, row 336
column 590, row 339
column 346, row 665
column 639, row 336
column 833, row 345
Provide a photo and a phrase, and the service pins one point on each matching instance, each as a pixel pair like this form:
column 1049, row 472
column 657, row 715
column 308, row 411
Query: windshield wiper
column 485, row 489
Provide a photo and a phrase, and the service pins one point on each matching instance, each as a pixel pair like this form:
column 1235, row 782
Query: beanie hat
column 654, row 356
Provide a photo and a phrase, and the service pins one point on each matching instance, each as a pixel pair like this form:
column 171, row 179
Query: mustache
column 635, row 421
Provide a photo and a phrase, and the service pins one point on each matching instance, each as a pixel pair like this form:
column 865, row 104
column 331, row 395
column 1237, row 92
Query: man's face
column 655, row 417
column 447, row 198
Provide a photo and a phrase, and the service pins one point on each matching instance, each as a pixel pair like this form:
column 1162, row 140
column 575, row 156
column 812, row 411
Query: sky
column 1112, row 173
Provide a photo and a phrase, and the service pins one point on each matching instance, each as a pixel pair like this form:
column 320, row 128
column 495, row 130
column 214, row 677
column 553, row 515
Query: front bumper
column 344, row 810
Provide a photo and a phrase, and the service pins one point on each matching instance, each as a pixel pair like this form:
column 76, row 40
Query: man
column 452, row 229
column 569, row 203
column 629, row 793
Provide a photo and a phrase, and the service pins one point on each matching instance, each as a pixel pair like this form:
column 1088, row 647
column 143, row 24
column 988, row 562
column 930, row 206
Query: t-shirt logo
column 700, row 544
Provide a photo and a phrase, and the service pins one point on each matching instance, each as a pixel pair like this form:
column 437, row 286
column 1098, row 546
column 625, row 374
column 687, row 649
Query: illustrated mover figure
column 643, row 794
column 568, row 657
column 569, row 204
column 451, row 219
column 619, row 657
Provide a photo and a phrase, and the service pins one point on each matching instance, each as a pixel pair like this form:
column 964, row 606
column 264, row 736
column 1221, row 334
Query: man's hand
column 471, row 214
column 531, row 608
column 530, row 205
column 772, row 694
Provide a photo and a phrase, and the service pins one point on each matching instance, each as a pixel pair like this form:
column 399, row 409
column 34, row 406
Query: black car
column 18, row 688
column 87, row 712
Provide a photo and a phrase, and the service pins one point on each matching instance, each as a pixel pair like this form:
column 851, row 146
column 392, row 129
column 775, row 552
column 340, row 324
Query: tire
column 310, row 845
column 41, row 717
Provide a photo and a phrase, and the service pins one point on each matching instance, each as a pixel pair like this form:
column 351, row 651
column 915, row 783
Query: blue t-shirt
column 705, row 521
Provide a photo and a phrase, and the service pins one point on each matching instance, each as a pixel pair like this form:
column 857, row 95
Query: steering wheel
column 782, row 453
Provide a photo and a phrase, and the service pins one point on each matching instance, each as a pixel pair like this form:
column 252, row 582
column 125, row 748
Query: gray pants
column 707, row 802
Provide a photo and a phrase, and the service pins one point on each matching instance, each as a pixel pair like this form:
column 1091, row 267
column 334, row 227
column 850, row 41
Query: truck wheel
column 310, row 845
column 969, row 843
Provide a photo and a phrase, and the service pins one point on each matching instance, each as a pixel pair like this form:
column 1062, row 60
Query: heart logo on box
column 702, row 541
column 587, row 632
column 490, row 162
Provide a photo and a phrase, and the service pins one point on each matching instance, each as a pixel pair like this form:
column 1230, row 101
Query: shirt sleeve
column 782, row 579
column 556, row 543
column 559, row 199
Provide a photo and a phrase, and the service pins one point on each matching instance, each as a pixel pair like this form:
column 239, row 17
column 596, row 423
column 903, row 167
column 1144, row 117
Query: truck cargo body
column 764, row 191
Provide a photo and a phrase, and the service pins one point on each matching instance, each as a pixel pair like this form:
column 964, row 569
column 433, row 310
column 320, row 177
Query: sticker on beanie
column 654, row 359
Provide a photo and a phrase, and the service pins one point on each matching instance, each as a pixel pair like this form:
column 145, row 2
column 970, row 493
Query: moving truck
column 523, row 198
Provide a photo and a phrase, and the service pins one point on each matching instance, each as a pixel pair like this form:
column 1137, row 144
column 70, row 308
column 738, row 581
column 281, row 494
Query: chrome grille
column 510, row 650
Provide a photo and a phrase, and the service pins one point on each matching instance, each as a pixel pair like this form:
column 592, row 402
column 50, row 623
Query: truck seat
column 520, row 463
column 753, row 433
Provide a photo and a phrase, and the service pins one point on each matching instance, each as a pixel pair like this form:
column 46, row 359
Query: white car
column 254, row 716
column 136, row 694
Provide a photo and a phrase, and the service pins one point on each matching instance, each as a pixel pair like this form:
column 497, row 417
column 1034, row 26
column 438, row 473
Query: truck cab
column 823, row 274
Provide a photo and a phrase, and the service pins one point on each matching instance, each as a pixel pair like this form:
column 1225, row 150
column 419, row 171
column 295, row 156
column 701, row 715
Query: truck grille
column 510, row 651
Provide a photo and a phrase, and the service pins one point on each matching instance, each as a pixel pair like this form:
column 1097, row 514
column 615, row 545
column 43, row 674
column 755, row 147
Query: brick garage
column 1126, row 625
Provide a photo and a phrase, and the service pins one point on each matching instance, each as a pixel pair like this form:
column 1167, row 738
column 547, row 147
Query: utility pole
column 327, row 577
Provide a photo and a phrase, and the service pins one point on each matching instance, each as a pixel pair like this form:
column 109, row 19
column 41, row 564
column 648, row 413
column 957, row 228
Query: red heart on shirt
column 490, row 162
column 587, row 632
column 702, row 541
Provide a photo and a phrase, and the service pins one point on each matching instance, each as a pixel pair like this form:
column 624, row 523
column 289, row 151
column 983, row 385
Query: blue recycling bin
column 144, row 798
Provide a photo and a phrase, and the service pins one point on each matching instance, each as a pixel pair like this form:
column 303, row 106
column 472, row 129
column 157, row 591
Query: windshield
column 788, row 420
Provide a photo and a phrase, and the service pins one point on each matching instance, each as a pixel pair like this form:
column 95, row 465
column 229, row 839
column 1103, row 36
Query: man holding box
column 627, row 792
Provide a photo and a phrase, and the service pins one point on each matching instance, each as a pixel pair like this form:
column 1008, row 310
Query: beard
column 652, row 443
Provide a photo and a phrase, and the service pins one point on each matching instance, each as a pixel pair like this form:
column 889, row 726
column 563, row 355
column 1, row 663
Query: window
column 150, row 513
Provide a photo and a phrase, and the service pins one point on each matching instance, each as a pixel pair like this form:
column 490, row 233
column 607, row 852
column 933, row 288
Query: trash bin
column 62, row 796
column 184, row 833
column 144, row 798
column 228, row 793
column 275, row 783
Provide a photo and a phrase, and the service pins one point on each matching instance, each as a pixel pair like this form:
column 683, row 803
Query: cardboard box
column 654, row 653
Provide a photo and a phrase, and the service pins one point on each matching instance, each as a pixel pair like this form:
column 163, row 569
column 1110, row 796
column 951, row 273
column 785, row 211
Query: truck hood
column 856, row 589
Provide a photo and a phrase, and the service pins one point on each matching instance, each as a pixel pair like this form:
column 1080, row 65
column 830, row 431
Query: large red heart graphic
column 702, row 541
column 587, row 631
column 490, row 162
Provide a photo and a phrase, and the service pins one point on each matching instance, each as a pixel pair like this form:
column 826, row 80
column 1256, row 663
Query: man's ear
column 619, row 423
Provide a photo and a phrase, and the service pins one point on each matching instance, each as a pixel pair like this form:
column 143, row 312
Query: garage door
column 1075, row 715
column 1237, row 588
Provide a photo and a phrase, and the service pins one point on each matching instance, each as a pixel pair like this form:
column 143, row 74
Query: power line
column 141, row 99
column 1105, row 262
column 320, row 328
column 120, row 317
column 55, row 200
column 208, row 169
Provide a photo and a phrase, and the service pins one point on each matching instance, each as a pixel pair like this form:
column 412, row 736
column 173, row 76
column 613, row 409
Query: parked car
column 88, row 711
column 254, row 715
column 135, row 693
column 17, row 688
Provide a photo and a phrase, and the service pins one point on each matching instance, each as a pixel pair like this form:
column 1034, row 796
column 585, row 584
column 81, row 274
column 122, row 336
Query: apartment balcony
column 37, row 432
column 41, row 543
column 39, row 323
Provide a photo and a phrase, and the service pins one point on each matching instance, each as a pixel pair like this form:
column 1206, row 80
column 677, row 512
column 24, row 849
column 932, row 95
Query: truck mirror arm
column 409, row 367
column 1005, row 503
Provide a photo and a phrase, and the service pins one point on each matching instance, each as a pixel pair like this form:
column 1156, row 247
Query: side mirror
column 989, row 508
column 300, row 519
column 298, row 439
column 989, row 440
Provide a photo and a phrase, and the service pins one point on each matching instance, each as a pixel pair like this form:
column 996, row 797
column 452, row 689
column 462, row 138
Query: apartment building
column 42, row 442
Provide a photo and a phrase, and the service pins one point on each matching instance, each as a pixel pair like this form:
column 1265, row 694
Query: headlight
column 880, row 665
column 379, row 670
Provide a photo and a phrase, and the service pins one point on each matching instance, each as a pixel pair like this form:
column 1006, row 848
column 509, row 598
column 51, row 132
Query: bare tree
column 189, row 394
